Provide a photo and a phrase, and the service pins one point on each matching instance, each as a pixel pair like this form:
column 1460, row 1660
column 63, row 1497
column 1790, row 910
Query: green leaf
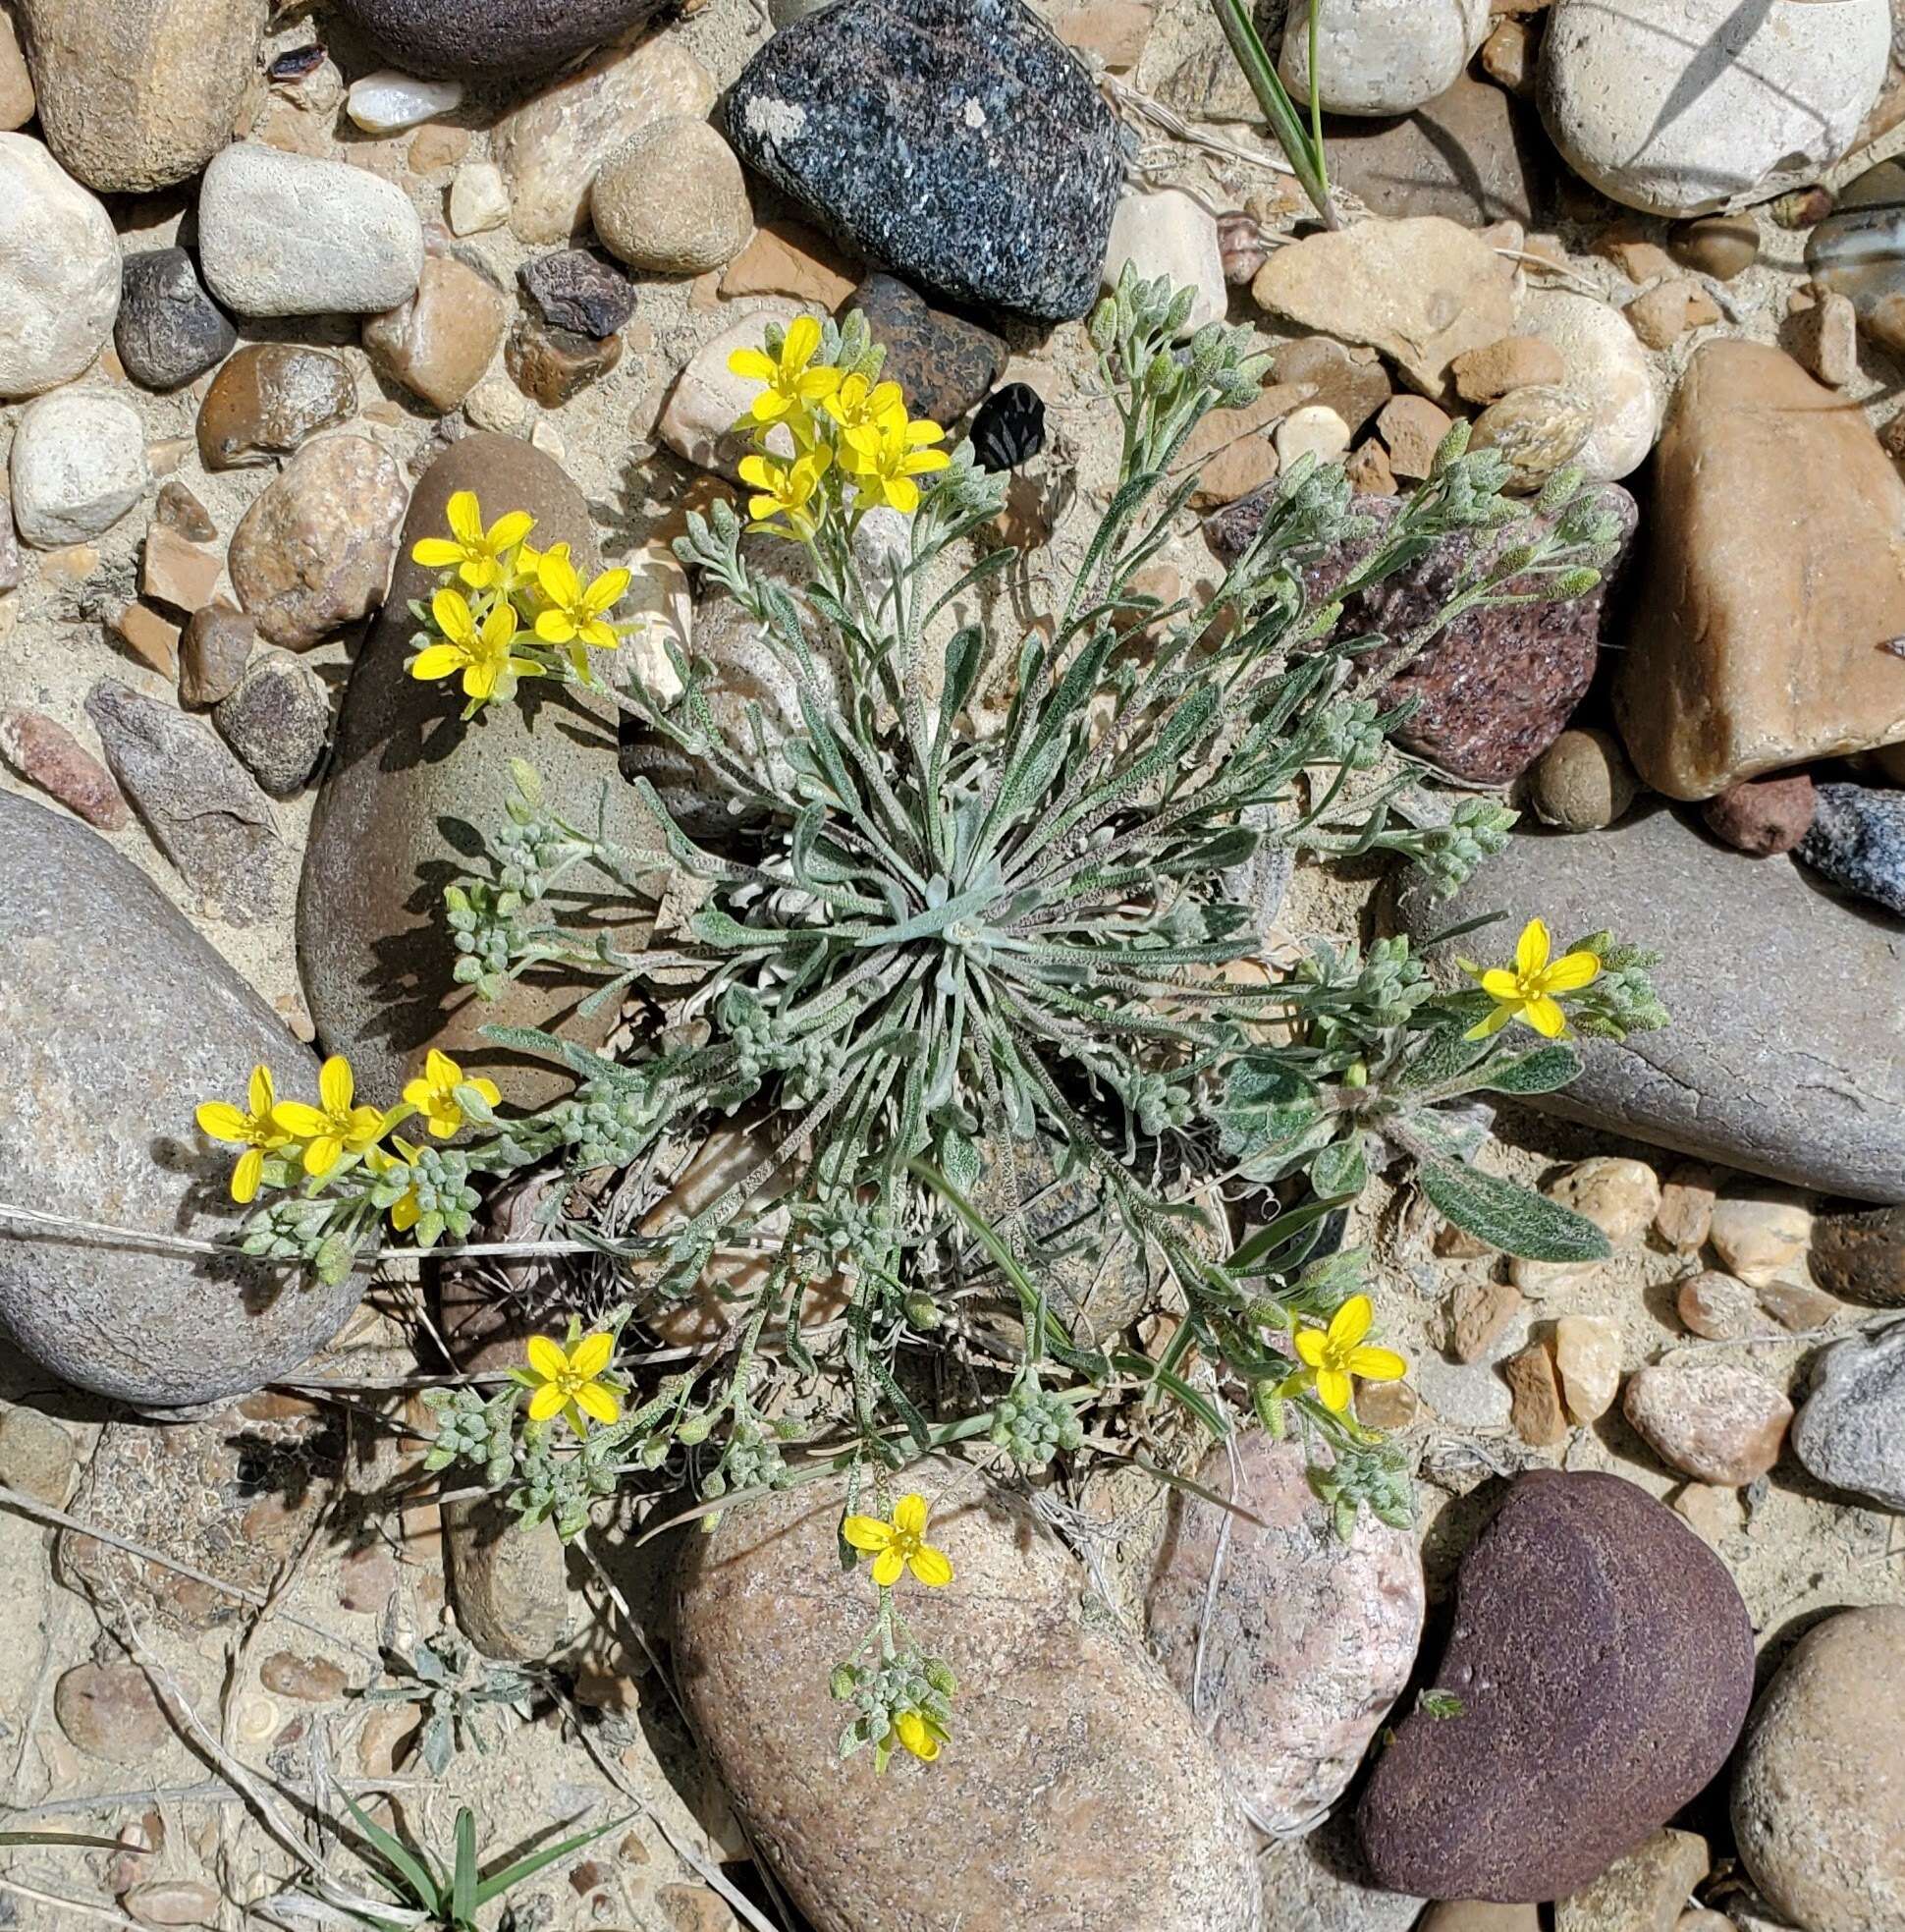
column 526, row 1867
column 1513, row 1218
column 965, row 652
column 1266, row 1109
column 422, row 1882
column 1340, row 1168
column 462, row 1884
column 1540, row 1071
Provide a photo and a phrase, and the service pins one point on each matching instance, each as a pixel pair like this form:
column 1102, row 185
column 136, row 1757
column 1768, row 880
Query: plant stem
column 1303, row 147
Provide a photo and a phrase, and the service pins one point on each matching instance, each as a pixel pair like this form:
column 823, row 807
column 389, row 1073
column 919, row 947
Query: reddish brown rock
column 1762, row 815
column 439, row 343
column 48, row 755
column 268, row 399
column 1603, row 1662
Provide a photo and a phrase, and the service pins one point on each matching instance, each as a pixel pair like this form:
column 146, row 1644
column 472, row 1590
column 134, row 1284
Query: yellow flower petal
column 336, row 1084
column 903, row 494
column 867, row 1532
column 546, row 1356
column 438, row 661
column 262, row 1091
column 1544, row 1016
column 1487, row 1029
column 555, row 627
column 910, row 1728
column 752, row 363
column 510, row 531
column 1351, row 1322
column 797, row 347
column 546, row 1402
column 1531, row 949
column 246, row 1175
column 1499, row 983
column 1334, row 1389
column 931, row 1566
column 223, row 1122
column 487, row 1090
column 322, row 1155
column 590, row 1355
column 888, row 1567
column 596, row 1400
column 1377, row 1364
column 437, row 553
column 451, row 609
column 1310, row 1346
column 909, row 1516
column 1570, row 972
column 464, row 515
column 605, row 592
column 405, row 1215
column 296, row 1117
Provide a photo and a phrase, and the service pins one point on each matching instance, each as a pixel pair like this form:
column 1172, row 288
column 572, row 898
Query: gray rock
column 1731, row 1078
column 478, row 37
column 577, row 291
column 116, row 1019
column 199, row 804
column 1859, row 250
column 77, row 466
column 283, row 233
column 1322, row 1883
column 954, row 140
column 372, row 946
column 213, row 653
column 1857, row 840
column 36, row 1453
column 1073, row 1762
column 1291, row 1645
column 169, row 328
column 511, row 1583
column 277, row 719
column 59, row 271
column 1850, row 1430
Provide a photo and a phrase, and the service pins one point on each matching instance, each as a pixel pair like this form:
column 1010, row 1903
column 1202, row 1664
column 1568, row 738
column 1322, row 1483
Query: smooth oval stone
column 59, row 270
column 1296, row 1652
column 1731, row 1079
column 1603, row 1664
column 169, row 328
column 268, row 399
column 1818, row 1792
column 1862, row 1256
column 1073, row 1771
column 405, row 780
column 477, row 37
column 103, row 1066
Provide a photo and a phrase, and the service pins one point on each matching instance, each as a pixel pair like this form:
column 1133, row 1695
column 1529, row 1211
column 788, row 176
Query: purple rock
column 1496, row 689
column 1604, row 1665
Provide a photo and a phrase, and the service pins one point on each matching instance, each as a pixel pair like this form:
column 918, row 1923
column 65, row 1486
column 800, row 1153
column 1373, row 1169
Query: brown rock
column 1241, row 249
column 1115, row 31
column 1582, row 782
column 1413, row 428
column 306, row 1680
column 1316, row 369
column 266, row 399
column 177, row 573
column 1688, row 1192
column 1483, row 374
column 946, row 364
column 1537, row 429
column 439, row 343
column 48, row 755
column 1079, row 1769
column 436, row 147
column 15, row 85
column 1508, row 55
column 1709, row 1417
column 111, row 1712
column 1540, row 1417
column 1720, row 246
column 1663, row 315
column 1757, row 633
column 553, row 364
column 1296, row 1652
column 1642, row 1891
column 1232, row 450
column 1368, row 469
column 36, row 1453
column 213, row 653
column 1798, row 1307
column 182, row 511
column 148, row 638
column 1420, row 289
column 1762, row 815
column 1478, row 1313
column 788, row 258
column 314, row 550
column 1823, row 337
column 1861, row 1255
column 1633, row 252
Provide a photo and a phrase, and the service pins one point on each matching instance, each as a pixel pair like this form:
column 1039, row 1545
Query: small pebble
column 1166, row 232
column 1709, row 1417
column 277, row 719
column 1587, row 1357
column 1762, row 815
column 77, row 466
column 387, row 102
column 1686, row 1211
column 1486, row 375
column 1240, row 247
column 179, row 510
column 478, row 199
column 1540, row 1417
column 1763, row 1236
column 439, row 344
column 673, row 200
column 1803, row 208
column 1823, row 336
column 149, row 637
column 1799, row 1307
column 213, row 653
column 1857, row 840
column 550, row 365
column 169, row 328
column 268, row 399
column 37, row 1454
column 1719, row 1306
column 1851, row 1428
column 1537, row 430
column 1582, row 782
column 47, row 755
column 1368, row 469
column 1720, row 246
column 1413, row 428
column 172, row 1902
column 111, row 1712
column 177, row 573
column 307, row 1679
column 1312, row 431
column 580, row 291
column 1663, row 315
column 1478, row 1313
column 1619, row 1195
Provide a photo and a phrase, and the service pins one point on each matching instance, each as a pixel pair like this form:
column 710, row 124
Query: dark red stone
column 944, row 364
column 1762, row 815
column 1603, row 1664
column 1496, row 689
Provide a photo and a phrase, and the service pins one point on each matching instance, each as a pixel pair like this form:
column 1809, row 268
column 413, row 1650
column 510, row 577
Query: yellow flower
column 405, row 1210
column 251, row 1129
column 565, row 1383
column 571, row 614
column 333, row 1128
column 478, row 555
column 481, row 652
column 433, row 1093
column 857, row 402
column 1526, row 990
column 1335, row 1354
column 900, row 1544
column 782, row 489
column 883, row 458
column 792, row 387
column 922, row 1735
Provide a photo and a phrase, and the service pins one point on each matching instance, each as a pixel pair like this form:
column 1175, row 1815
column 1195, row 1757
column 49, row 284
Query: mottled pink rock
column 48, row 755
column 1309, row 1640
column 1762, row 815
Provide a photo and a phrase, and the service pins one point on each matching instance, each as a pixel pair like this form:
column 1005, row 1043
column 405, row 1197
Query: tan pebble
column 175, row 572
column 1539, row 1416
column 1115, row 30
column 1540, row 1279
column 1686, row 1210
column 1720, row 246
column 148, row 638
column 1823, row 337
column 1763, row 1236
column 1619, row 1195
column 1312, row 431
column 1391, row 1406
column 1708, row 1416
column 1587, row 1357
column 1710, row 1512
column 1538, row 428
column 1508, row 55
column 788, row 258
column 1663, row 315
column 546, row 437
column 1485, row 375
column 1719, row 1306
column 1627, row 244
column 1478, row 1313
column 436, row 148
column 1412, row 427
column 165, row 456
column 1799, row 1307
column 1234, row 471
column 75, row 563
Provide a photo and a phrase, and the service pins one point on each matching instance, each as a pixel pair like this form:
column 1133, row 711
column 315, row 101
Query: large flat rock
column 1786, row 1052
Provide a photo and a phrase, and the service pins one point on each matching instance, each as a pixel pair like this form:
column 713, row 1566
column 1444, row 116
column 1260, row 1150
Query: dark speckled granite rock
column 1494, row 689
column 1862, row 1256
column 1857, row 841
column 1604, row 1665
column 954, row 140
column 478, row 37
column 945, row 365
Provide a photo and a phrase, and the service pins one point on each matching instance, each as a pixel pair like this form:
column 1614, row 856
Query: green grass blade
column 463, row 1880
column 526, row 1867
column 1278, row 108
column 422, row 1882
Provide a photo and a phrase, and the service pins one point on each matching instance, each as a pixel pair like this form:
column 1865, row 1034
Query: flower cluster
column 505, row 611
column 830, row 438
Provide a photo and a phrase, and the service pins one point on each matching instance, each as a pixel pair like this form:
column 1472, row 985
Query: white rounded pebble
column 59, row 271
column 1607, row 371
column 478, row 199
column 387, row 102
column 1381, row 56
column 77, row 466
column 1172, row 234
column 290, row 235
column 1315, row 431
